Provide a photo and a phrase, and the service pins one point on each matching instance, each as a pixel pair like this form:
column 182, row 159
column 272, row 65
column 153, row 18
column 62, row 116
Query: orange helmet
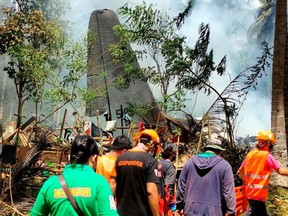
column 136, row 136
column 266, row 135
column 148, row 132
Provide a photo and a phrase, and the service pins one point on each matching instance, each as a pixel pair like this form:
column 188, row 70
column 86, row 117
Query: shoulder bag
column 69, row 195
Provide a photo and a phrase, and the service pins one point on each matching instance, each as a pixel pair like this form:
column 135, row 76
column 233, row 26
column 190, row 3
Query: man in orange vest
column 106, row 163
column 256, row 170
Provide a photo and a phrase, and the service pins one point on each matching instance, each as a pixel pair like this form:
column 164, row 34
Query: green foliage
column 263, row 27
column 86, row 94
column 152, row 31
column 29, row 39
column 235, row 156
column 198, row 64
column 158, row 157
column 63, row 85
column 42, row 53
column 185, row 13
column 174, row 67
column 175, row 100
column 137, row 108
column 177, row 131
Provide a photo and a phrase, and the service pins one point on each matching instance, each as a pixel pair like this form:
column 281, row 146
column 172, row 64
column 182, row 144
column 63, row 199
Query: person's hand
column 179, row 212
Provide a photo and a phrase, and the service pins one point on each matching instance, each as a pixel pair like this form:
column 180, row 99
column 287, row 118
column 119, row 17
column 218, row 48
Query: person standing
column 136, row 190
column 206, row 184
column 106, row 163
column 167, row 177
column 256, row 170
column 91, row 191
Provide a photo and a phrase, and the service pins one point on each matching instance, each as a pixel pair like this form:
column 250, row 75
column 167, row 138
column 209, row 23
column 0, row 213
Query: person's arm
column 105, row 199
column 153, row 198
column 282, row 171
column 229, row 190
column 112, row 183
column 170, row 179
column 181, row 189
column 151, row 186
column 241, row 172
column 112, row 180
column 275, row 165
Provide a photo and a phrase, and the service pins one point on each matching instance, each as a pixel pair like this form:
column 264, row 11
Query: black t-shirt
column 134, row 170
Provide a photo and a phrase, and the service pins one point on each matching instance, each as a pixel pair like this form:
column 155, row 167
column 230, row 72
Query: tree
column 41, row 52
column 279, row 112
column 262, row 29
column 180, row 19
column 226, row 107
column 174, row 64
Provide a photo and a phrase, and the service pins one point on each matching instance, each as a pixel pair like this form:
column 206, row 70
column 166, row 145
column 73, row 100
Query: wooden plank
column 27, row 123
column 9, row 138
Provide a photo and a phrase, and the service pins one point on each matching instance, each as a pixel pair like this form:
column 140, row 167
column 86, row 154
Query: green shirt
column 91, row 192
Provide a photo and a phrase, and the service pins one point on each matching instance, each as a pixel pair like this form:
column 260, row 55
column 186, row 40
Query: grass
column 277, row 203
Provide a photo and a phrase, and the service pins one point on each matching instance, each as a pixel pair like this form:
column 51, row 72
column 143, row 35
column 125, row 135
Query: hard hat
column 136, row 136
column 266, row 135
column 147, row 132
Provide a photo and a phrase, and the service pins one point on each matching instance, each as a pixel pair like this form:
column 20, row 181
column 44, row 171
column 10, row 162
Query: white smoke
column 229, row 25
column 229, row 21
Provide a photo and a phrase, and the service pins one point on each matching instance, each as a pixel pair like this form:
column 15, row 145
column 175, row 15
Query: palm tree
column 262, row 29
column 185, row 13
column 279, row 115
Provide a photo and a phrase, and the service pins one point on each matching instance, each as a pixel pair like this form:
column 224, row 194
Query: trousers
column 256, row 208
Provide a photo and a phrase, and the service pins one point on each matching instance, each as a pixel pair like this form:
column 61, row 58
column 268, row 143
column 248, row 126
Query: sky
column 229, row 21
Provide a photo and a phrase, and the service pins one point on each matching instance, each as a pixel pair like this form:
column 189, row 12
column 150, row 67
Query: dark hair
column 121, row 142
column 168, row 149
column 82, row 148
column 145, row 139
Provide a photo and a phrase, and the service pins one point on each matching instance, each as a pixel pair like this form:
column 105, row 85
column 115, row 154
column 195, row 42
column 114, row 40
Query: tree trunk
column 19, row 112
column 19, row 116
column 286, row 92
column 20, row 104
column 278, row 112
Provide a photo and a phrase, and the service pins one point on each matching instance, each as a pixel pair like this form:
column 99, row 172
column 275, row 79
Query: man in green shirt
column 91, row 191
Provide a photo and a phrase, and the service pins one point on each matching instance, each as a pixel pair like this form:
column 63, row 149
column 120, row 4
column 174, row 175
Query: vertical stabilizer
column 99, row 60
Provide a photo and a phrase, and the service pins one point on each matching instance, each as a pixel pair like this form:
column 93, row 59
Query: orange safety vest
column 256, row 177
